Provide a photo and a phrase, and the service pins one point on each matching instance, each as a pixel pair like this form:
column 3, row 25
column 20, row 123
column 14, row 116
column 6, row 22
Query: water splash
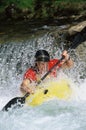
column 15, row 58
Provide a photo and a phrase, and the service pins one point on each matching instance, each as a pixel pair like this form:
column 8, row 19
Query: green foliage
column 70, row 0
column 43, row 8
column 25, row 3
column 31, row 3
column 19, row 3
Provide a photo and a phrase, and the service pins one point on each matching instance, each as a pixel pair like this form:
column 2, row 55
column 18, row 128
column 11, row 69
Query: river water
column 15, row 58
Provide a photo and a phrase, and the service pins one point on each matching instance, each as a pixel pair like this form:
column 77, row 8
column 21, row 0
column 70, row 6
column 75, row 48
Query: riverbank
column 18, row 23
column 22, row 29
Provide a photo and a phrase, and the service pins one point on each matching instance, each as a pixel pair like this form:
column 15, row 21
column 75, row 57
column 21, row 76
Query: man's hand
column 66, row 56
column 67, row 62
column 26, row 87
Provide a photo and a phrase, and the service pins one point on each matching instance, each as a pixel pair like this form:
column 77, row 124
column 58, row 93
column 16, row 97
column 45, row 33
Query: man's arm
column 25, row 86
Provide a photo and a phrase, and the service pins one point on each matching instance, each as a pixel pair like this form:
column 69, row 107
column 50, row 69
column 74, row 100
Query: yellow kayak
column 55, row 89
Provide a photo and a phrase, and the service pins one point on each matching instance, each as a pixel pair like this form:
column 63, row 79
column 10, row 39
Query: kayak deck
column 55, row 89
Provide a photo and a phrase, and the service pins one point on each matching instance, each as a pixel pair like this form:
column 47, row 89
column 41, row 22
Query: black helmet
column 42, row 55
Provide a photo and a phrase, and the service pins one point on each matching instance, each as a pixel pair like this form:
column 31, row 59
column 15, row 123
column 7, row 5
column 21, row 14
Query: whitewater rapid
column 15, row 58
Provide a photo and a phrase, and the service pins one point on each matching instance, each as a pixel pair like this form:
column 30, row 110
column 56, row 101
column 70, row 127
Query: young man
column 42, row 65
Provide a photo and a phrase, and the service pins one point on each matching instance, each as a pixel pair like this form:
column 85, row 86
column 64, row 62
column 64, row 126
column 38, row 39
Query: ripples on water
column 15, row 58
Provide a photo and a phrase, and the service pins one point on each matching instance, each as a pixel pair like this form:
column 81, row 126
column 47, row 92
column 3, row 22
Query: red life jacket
column 51, row 64
column 31, row 73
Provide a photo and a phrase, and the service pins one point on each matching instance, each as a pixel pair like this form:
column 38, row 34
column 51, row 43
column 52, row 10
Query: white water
column 56, row 115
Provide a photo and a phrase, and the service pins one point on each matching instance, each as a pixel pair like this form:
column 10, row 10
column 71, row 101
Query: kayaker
column 42, row 64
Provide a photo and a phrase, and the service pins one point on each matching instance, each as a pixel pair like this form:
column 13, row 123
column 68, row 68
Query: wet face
column 42, row 66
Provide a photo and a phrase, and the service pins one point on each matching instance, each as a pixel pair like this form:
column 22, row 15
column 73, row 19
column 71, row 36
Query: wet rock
column 77, row 34
column 81, row 51
column 77, row 28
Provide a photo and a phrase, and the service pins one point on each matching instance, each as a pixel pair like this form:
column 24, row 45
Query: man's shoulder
column 53, row 61
column 30, row 74
column 30, row 70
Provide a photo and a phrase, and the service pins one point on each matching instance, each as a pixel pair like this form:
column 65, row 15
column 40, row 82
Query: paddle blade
column 14, row 103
